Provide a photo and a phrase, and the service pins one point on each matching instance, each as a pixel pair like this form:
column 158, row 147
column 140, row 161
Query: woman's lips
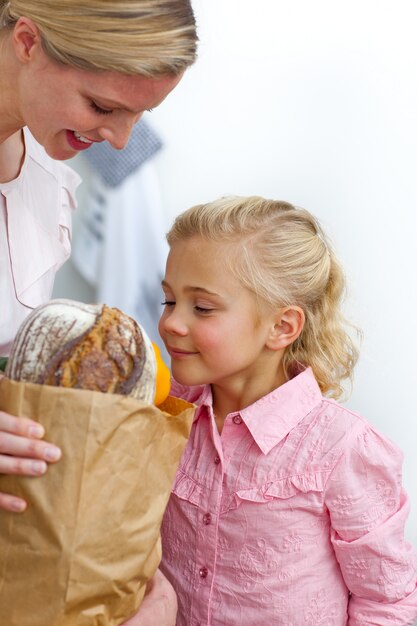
column 76, row 143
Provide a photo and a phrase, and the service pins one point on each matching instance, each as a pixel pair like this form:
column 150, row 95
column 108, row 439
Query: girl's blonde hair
column 148, row 37
column 284, row 258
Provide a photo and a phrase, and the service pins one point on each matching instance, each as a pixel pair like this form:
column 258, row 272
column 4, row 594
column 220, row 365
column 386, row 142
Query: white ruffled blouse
column 35, row 235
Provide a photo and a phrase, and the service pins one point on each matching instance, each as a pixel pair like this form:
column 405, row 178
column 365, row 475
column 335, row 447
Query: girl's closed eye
column 167, row 302
column 203, row 310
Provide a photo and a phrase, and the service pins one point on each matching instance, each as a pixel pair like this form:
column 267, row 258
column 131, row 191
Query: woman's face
column 66, row 109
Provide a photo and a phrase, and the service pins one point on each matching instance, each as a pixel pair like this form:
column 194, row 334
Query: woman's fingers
column 22, row 448
column 11, row 503
column 18, row 465
column 20, row 426
column 22, row 451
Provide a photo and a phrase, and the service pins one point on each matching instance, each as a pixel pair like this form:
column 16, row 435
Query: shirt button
column 207, row 519
column 217, row 460
column 203, row 572
column 237, row 419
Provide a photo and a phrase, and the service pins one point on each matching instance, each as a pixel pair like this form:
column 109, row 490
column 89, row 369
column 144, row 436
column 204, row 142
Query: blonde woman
column 287, row 508
column 72, row 73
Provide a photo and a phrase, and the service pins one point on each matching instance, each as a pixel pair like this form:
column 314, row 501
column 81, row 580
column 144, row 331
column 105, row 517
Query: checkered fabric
column 112, row 165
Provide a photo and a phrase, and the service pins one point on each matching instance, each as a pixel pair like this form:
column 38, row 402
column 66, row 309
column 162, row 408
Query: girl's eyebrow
column 191, row 288
column 202, row 290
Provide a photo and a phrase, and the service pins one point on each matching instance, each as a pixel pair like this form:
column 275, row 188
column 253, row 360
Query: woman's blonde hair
column 284, row 258
column 148, row 37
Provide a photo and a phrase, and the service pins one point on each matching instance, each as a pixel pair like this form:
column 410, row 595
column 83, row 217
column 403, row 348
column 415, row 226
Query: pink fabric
column 294, row 516
column 35, row 235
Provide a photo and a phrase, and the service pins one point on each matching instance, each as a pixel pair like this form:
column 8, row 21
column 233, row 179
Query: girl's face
column 66, row 109
column 210, row 325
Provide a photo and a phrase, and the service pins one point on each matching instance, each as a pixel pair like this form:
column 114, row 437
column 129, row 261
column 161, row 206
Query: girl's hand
column 22, row 452
column 159, row 606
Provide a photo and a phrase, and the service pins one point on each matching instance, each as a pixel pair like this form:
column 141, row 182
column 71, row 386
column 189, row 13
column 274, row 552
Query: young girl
column 287, row 508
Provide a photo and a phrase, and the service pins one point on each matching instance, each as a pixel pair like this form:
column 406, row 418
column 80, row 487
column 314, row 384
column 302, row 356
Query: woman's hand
column 22, row 451
column 159, row 606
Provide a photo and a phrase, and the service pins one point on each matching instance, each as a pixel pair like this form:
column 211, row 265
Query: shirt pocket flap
column 188, row 489
column 282, row 489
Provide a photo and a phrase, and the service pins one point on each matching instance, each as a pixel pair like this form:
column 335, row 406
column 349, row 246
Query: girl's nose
column 117, row 132
column 172, row 324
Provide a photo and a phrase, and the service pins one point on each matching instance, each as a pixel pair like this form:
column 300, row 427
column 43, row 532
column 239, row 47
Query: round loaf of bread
column 65, row 343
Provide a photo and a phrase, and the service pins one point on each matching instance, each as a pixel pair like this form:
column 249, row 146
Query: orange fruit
column 163, row 377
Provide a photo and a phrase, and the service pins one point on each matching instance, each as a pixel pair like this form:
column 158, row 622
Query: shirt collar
column 273, row 416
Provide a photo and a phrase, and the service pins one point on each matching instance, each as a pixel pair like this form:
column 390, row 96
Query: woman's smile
column 77, row 141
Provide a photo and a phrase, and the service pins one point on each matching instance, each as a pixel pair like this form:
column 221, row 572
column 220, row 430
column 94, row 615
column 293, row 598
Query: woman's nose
column 117, row 133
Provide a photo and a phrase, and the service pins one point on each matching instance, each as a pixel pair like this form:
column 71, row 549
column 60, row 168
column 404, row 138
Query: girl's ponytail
column 325, row 344
column 5, row 19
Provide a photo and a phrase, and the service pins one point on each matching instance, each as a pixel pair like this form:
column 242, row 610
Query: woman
column 72, row 73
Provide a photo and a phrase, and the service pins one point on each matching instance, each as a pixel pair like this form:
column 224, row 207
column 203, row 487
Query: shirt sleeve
column 368, row 510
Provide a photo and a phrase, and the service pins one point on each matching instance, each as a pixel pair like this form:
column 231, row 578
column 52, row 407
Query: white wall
column 315, row 103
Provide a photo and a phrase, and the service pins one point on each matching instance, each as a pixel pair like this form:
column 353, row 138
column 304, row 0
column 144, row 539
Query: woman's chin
column 59, row 153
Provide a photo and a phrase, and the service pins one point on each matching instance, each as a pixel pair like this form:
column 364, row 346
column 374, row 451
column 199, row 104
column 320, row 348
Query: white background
column 314, row 103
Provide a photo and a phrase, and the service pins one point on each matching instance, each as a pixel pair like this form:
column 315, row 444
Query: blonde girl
column 287, row 508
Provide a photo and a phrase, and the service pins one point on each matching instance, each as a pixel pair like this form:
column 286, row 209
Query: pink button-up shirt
column 293, row 516
column 35, row 230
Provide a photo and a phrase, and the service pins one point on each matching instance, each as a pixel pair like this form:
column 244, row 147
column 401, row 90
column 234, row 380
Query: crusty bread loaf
column 70, row 344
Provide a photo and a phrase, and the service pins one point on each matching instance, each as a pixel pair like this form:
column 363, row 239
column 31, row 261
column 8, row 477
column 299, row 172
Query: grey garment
column 112, row 165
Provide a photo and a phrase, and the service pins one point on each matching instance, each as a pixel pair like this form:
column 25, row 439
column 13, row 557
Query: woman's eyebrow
column 109, row 103
column 112, row 104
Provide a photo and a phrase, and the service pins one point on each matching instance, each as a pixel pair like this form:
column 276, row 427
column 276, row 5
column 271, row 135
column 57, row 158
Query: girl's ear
column 287, row 326
column 26, row 39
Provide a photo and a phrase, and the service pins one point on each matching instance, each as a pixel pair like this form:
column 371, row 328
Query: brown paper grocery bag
column 83, row 551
